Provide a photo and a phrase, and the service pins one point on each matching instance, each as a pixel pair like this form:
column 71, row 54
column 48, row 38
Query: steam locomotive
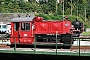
column 35, row 29
column 78, row 28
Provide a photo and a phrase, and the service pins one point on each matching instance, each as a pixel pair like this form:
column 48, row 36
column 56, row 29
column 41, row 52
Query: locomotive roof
column 22, row 19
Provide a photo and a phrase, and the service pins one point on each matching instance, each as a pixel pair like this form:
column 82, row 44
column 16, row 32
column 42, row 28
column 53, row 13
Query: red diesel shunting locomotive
column 24, row 30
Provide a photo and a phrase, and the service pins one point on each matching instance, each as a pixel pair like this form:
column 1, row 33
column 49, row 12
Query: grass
column 86, row 33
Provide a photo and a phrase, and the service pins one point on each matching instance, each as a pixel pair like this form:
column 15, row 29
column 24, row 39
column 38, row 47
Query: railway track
column 4, row 46
column 81, row 48
column 72, row 47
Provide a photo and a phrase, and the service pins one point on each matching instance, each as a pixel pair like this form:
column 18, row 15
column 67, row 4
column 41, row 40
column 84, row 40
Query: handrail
column 78, row 39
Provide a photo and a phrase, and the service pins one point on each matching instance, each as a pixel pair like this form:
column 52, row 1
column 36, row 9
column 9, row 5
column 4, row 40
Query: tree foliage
column 45, row 7
column 50, row 8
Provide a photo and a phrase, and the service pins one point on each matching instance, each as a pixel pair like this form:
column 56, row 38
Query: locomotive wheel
column 67, row 40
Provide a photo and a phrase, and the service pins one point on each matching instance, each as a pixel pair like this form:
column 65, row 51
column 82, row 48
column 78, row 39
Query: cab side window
column 25, row 26
column 22, row 26
column 16, row 26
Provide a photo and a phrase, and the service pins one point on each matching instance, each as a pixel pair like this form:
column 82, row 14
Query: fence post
column 56, row 42
column 79, row 46
column 34, row 45
column 15, row 44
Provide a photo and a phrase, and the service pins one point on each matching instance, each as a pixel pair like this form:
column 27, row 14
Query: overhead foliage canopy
column 50, row 7
column 45, row 7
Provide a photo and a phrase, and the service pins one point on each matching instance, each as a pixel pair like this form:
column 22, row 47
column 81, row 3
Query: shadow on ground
column 10, row 56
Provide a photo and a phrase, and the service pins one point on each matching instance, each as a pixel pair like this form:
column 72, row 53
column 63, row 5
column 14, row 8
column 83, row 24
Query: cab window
column 25, row 26
column 16, row 26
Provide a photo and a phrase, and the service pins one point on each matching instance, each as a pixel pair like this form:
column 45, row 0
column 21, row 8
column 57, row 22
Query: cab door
column 26, row 32
column 15, row 31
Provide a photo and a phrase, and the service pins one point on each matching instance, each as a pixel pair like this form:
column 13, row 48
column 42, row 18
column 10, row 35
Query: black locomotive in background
column 78, row 28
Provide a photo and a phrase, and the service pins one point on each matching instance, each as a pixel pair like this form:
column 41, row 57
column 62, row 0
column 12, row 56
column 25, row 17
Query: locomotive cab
column 21, row 30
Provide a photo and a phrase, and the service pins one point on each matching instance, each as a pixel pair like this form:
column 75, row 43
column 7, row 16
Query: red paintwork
column 37, row 19
column 40, row 27
column 66, row 26
column 25, row 36
column 50, row 27
column 13, row 34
